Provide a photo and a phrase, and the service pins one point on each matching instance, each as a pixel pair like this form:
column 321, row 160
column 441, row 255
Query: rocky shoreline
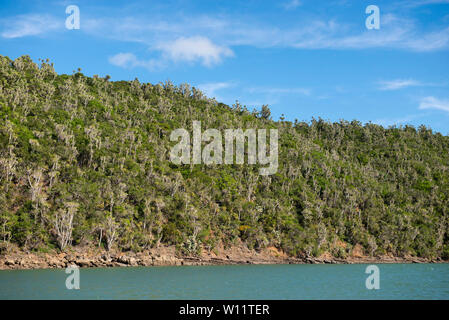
column 166, row 256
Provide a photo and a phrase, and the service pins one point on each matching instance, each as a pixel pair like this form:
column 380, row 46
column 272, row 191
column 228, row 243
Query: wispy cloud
column 209, row 39
column 398, row 84
column 129, row 60
column 210, row 89
column 124, row 60
column 274, row 90
column 429, row 102
column 420, row 3
column 29, row 25
column 431, row 41
column 434, row 103
column 386, row 122
column 269, row 94
column 292, row 4
column 396, row 32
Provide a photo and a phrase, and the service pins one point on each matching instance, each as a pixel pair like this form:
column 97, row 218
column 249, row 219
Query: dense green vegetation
column 85, row 161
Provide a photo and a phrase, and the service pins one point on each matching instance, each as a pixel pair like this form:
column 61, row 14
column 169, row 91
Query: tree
column 265, row 113
column 9, row 165
column 63, row 223
column 111, row 228
column 105, row 146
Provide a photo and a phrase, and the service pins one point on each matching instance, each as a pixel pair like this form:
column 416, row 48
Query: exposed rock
column 10, row 262
column 127, row 260
column 84, row 263
column 119, row 264
column 167, row 256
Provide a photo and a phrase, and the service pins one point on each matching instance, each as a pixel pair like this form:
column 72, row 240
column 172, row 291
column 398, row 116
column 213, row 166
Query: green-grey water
column 397, row 281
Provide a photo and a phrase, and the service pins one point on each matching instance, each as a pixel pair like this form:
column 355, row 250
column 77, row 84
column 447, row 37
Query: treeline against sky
column 85, row 162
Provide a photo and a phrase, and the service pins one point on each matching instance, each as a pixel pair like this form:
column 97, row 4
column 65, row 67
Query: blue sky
column 304, row 58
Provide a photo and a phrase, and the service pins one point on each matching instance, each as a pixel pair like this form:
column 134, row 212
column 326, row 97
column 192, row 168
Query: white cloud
column 29, row 25
column 434, row 103
column 398, row 84
column 194, row 49
column 210, row 89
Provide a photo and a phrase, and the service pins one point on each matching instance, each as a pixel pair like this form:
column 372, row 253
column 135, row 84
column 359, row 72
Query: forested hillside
column 85, row 162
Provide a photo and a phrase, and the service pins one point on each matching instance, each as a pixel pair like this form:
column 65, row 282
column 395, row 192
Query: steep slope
column 98, row 151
